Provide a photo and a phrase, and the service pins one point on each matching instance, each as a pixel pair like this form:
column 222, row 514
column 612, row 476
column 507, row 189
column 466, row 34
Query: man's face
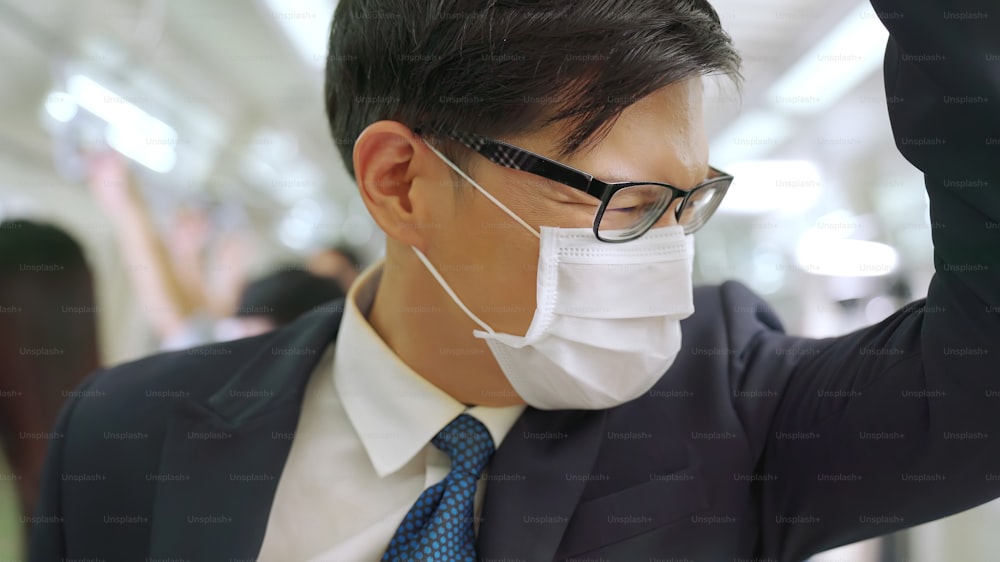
column 491, row 261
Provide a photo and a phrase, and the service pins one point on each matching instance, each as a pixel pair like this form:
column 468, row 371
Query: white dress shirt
column 361, row 454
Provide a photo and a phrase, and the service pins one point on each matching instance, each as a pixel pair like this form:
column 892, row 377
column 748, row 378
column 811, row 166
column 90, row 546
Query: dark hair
column 506, row 67
column 287, row 294
column 48, row 337
column 349, row 254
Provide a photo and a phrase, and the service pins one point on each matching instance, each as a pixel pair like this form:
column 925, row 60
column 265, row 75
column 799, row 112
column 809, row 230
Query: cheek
column 508, row 295
column 491, row 262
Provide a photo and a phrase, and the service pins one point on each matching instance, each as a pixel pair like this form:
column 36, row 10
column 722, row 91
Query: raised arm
column 164, row 301
column 899, row 423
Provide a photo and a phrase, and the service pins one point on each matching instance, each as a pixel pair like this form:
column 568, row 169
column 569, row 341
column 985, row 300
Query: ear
column 387, row 168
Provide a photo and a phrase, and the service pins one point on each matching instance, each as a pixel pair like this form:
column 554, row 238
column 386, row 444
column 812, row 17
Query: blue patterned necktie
column 439, row 526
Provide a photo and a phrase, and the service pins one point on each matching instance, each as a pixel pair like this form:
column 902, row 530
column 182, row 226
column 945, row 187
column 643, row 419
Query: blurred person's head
column 276, row 299
column 611, row 88
column 336, row 262
column 48, row 340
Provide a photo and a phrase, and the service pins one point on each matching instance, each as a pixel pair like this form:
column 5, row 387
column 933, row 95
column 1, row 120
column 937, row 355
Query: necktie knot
column 467, row 443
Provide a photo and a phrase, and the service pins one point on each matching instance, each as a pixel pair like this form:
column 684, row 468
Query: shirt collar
column 394, row 410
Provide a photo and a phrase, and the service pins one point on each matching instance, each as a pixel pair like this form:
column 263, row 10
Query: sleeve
column 898, row 423
column 196, row 330
column 47, row 539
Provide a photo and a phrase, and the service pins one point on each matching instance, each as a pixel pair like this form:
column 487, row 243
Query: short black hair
column 28, row 243
column 286, row 294
column 506, row 67
column 349, row 254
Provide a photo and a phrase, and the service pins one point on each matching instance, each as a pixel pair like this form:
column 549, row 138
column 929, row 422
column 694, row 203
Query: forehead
column 659, row 138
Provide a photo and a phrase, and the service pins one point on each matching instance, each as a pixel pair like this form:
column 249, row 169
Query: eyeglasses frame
column 517, row 158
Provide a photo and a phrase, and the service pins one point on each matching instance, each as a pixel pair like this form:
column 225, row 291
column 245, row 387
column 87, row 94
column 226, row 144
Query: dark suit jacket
column 755, row 444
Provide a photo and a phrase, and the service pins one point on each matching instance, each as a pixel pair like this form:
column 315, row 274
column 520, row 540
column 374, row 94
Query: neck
column 430, row 333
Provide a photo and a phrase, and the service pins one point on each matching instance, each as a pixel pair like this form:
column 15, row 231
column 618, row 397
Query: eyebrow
column 614, row 179
column 709, row 174
column 543, row 182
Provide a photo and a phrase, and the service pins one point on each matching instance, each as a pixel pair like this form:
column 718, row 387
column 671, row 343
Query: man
column 510, row 384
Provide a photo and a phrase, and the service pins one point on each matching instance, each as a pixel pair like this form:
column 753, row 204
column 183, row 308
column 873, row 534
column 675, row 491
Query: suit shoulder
column 733, row 306
column 144, row 388
column 198, row 371
column 140, row 392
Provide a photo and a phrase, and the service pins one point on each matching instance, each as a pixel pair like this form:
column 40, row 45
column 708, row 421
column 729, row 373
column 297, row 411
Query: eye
column 626, row 203
column 622, row 210
column 638, row 198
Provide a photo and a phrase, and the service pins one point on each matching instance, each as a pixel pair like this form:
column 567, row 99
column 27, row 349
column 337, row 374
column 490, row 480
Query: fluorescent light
column 155, row 157
column 841, row 60
column 117, row 110
column 822, row 254
column 306, row 23
column 768, row 186
column 752, row 136
column 133, row 132
column 839, row 224
column 61, row 106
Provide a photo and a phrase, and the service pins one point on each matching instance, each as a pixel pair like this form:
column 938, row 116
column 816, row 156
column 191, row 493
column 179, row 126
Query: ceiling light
column 61, row 106
column 157, row 158
column 768, row 186
column 132, row 132
column 820, row 253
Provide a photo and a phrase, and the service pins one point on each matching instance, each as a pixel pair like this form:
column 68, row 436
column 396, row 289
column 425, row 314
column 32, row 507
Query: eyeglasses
column 628, row 209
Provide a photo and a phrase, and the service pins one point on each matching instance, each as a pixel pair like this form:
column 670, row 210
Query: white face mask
column 607, row 317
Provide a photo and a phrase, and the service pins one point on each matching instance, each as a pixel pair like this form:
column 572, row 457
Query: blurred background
column 183, row 145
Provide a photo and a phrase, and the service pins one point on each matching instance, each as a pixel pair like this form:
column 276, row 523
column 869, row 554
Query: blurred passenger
column 48, row 341
column 213, row 246
column 179, row 299
column 336, row 262
column 275, row 300
column 185, row 238
column 162, row 298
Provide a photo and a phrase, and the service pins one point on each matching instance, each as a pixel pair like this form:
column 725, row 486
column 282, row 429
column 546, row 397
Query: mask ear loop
column 451, row 293
column 434, row 271
column 484, row 192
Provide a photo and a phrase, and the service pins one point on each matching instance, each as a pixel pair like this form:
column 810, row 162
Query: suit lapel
column 222, row 458
column 535, row 482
